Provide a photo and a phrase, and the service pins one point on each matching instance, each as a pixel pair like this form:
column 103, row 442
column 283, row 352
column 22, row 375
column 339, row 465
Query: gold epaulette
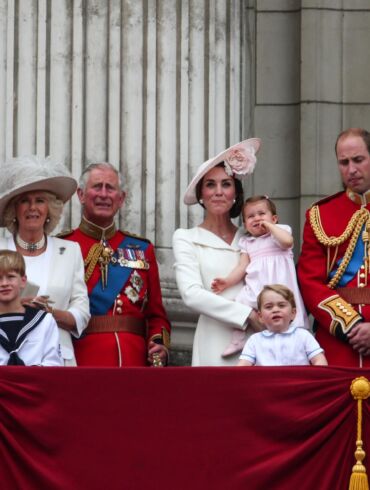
column 127, row 233
column 64, row 233
column 342, row 314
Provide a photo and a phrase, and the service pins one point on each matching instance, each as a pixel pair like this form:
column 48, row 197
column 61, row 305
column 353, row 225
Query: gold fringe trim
column 360, row 389
column 92, row 259
column 352, row 230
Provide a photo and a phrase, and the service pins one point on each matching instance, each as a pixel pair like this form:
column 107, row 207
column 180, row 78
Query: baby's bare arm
column 219, row 284
column 284, row 238
column 235, row 276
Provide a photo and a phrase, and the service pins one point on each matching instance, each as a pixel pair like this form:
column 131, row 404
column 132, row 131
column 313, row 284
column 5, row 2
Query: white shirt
column 40, row 347
column 294, row 347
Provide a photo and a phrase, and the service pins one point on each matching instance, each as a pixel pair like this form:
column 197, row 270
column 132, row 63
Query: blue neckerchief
column 101, row 300
column 354, row 264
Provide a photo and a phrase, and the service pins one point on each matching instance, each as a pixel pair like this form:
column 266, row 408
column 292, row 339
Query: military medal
column 136, row 281
column 132, row 258
column 132, row 294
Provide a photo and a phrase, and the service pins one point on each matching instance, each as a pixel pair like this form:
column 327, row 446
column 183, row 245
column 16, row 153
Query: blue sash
column 101, row 300
column 354, row 264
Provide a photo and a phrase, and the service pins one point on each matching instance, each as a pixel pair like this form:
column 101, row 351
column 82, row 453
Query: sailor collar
column 95, row 231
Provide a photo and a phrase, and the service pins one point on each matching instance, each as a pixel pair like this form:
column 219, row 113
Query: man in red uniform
column 128, row 326
column 333, row 269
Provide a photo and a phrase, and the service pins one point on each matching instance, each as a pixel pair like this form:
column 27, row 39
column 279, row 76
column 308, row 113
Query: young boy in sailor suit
column 28, row 336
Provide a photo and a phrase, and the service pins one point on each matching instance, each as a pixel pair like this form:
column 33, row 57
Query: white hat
column 239, row 161
column 34, row 173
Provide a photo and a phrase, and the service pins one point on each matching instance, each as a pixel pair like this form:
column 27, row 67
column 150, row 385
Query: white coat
column 66, row 286
column 200, row 256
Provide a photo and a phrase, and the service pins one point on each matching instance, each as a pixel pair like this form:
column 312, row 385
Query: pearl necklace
column 30, row 247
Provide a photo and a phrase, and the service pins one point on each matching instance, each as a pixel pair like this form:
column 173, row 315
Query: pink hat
column 239, row 161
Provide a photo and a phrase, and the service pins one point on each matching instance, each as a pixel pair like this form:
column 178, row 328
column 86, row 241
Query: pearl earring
column 200, row 201
column 234, row 201
column 47, row 220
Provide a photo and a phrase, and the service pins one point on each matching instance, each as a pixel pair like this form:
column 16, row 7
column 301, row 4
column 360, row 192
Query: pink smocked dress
column 270, row 264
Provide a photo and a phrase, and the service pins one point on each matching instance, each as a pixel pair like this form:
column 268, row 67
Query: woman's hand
column 40, row 302
column 64, row 318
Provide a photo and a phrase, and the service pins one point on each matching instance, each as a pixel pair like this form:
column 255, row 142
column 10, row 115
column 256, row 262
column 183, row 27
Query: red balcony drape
column 179, row 428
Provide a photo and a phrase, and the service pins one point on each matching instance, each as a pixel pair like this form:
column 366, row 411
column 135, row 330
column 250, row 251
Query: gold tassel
column 360, row 389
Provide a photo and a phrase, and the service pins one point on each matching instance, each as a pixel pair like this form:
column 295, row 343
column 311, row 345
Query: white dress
column 270, row 264
column 200, row 256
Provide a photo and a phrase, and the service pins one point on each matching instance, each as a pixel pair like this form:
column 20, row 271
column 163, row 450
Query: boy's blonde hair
column 12, row 261
column 285, row 292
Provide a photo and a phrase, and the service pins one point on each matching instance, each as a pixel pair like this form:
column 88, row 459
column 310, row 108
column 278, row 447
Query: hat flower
column 240, row 160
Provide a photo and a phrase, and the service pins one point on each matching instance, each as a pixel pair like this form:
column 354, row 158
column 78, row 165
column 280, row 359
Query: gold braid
column 353, row 228
column 92, row 259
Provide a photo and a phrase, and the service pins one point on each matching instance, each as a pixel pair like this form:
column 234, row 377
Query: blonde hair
column 285, row 292
column 55, row 209
column 12, row 261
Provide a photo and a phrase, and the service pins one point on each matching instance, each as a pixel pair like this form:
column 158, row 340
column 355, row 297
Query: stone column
column 153, row 86
column 335, row 80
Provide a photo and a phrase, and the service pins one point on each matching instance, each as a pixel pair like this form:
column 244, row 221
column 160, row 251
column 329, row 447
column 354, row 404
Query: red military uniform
column 125, row 298
column 333, row 272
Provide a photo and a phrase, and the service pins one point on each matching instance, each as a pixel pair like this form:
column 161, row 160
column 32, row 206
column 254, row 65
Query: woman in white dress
column 211, row 249
column 33, row 191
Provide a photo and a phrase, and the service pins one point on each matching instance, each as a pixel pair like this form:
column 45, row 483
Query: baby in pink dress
column 266, row 258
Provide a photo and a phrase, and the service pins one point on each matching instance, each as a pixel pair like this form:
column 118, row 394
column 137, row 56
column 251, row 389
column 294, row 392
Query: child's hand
column 218, row 285
column 266, row 226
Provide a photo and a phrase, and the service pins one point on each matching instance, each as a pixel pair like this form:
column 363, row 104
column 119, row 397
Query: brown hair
column 285, row 292
column 12, row 261
column 362, row 133
column 270, row 204
column 236, row 208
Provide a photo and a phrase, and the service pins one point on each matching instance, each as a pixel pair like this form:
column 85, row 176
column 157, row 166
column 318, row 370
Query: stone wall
column 158, row 86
